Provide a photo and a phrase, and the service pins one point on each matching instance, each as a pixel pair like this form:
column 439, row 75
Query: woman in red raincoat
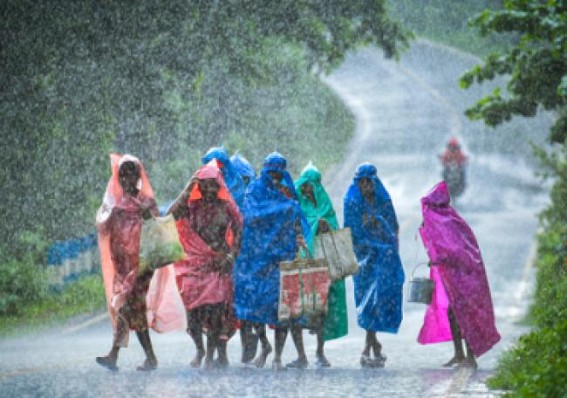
column 210, row 227
column 129, row 199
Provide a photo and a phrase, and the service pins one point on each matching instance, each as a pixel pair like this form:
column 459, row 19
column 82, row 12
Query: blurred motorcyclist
column 454, row 163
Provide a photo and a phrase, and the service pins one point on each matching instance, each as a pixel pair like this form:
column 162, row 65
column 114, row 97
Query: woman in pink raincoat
column 210, row 227
column 454, row 253
column 136, row 301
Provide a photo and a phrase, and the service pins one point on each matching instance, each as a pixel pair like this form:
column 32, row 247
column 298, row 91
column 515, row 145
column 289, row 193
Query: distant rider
column 454, row 163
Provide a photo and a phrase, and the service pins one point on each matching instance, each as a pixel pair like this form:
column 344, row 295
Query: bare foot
column 107, row 362
column 196, row 362
column 209, row 363
column 322, row 361
column 221, row 362
column 468, row 363
column 148, row 365
column 453, row 361
column 261, row 360
column 277, row 365
column 376, row 362
column 299, row 363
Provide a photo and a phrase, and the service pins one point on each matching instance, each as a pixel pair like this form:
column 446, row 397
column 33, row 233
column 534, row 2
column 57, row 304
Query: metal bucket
column 420, row 289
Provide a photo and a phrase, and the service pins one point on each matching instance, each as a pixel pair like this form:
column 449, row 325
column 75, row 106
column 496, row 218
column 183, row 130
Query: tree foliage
column 447, row 22
column 536, row 66
column 162, row 80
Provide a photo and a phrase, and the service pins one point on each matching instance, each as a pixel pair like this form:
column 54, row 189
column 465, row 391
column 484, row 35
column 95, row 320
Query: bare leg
column 457, row 341
column 243, row 339
column 280, row 337
column 151, row 361
column 376, row 346
column 469, row 361
column 249, row 342
column 223, row 357
column 368, row 343
column 110, row 360
column 195, row 330
column 322, row 360
column 212, row 343
column 266, row 346
column 213, row 335
column 365, row 360
column 297, row 337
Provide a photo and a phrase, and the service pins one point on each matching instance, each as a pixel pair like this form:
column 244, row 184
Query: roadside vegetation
column 447, row 22
column 524, row 40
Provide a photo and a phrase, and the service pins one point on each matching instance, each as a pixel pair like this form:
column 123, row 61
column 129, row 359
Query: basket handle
column 305, row 250
column 417, row 266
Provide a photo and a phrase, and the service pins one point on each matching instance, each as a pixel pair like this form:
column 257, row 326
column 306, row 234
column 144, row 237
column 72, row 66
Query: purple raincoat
column 452, row 247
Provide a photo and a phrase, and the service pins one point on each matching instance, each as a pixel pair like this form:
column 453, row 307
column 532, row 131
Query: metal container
column 420, row 289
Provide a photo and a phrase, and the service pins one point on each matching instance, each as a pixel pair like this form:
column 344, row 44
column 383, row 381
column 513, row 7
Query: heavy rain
column 226, row 111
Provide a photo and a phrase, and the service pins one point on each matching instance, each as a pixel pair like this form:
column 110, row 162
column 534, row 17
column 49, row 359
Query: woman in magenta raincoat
column 453, row 250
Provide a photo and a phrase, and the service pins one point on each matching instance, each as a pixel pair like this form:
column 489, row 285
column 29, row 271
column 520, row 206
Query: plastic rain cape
column 452, row 248
column 378, row 285
column 268, row 238
column 336, row 322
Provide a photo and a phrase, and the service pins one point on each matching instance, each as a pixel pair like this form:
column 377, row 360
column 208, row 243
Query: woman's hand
column 146, row 213
column 224, row 262
column 323, row 226
column 300, row 241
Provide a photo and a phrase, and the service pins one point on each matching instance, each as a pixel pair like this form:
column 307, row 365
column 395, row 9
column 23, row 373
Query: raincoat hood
column 207, row 172
column 437, row 197
column 275, row 161
column 243, row 166
column 232, row 178
column 324, row 210
column 114, row 191
column 367, row 170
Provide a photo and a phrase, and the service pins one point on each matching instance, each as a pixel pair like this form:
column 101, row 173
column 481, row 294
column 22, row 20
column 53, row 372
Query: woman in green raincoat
column 318, row 210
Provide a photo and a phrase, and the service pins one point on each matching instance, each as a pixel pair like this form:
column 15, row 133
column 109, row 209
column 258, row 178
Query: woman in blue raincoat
column 274, row 228
column 318, row 209
column 244, row 168
column 369, row 213
column 232, row 178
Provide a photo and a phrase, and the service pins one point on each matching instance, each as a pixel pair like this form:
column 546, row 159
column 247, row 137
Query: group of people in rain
column 236, row 226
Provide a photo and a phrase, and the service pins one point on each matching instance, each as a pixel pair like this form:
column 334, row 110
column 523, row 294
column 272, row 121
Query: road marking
column 459, row 382
column 96, row 319
column 523, row 284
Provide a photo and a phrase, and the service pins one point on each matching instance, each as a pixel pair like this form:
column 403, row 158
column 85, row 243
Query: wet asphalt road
column 405, row 112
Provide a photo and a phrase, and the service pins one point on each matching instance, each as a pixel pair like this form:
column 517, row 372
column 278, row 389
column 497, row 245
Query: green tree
column 536, row 65
column 536, row 68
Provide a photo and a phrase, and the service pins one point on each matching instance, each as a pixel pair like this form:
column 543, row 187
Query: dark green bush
column 21, row 283
column 537, row 366
column 550, row 301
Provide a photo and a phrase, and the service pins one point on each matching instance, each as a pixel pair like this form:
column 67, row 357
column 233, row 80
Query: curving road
column 405, row 112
